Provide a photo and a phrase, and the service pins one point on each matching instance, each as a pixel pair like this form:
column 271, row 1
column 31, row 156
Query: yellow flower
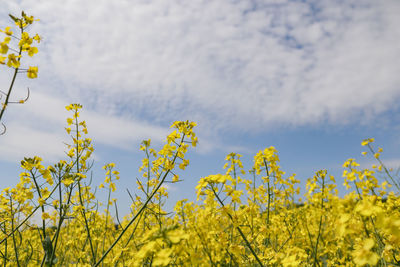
column 13, row 61
column 32, row 50
column 45, row 216
column 363, row 255
column 168, row 165
column 80, row 176
column 37, row 38
column 67, row 181
column 194, row 141
column 202, row 183
column 29, row 195
column 236, row 196
column 3, row 48
column 367, row 141
column 162, row 258
column 112, row 186
column 7, row 31
column 47, row 175
column 367, row 208
column 2, row 60
column 32, row 72
column 29, row 20
column 184, row 164
column 41, row 201
column 25, row 40
column 71, row 153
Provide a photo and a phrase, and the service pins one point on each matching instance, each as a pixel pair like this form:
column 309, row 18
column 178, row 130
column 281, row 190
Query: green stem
column 107, row 212
column 238, row 228
column 41, row 206
column 141, row 209
column 320, row 224
column 385, row 169
column 12, row 82
column 78, row 170
column 13, row 236
column 61, row 220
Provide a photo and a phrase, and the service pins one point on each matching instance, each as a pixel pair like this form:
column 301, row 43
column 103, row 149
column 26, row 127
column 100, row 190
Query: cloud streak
column 35, row 131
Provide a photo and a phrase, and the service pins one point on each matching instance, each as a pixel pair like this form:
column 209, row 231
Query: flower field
column 242, row 217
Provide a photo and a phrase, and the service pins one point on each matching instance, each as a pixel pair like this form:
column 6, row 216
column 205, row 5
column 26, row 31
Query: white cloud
column 37, row 128
column 29, row 142
column 241, row 65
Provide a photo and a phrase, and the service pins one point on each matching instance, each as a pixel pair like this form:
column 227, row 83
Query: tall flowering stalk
column 12, row 49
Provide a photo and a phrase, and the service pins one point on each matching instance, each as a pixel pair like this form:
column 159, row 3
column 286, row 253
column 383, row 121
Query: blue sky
column 312, row 78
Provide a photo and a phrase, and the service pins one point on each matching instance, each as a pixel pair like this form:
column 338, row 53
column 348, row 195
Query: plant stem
column 141, row 209
column 12, row 82
column 238, row 228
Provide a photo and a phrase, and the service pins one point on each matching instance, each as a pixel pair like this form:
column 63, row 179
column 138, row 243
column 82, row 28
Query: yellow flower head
column 13, row 61
column 3, row 48
column 367, row 141
column 32, row 72
column 7, row 31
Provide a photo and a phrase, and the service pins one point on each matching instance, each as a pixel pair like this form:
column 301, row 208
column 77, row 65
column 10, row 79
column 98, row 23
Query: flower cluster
column 11, row 56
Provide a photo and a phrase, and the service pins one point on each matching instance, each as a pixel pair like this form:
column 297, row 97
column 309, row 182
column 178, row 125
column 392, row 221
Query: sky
column 311, row 78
